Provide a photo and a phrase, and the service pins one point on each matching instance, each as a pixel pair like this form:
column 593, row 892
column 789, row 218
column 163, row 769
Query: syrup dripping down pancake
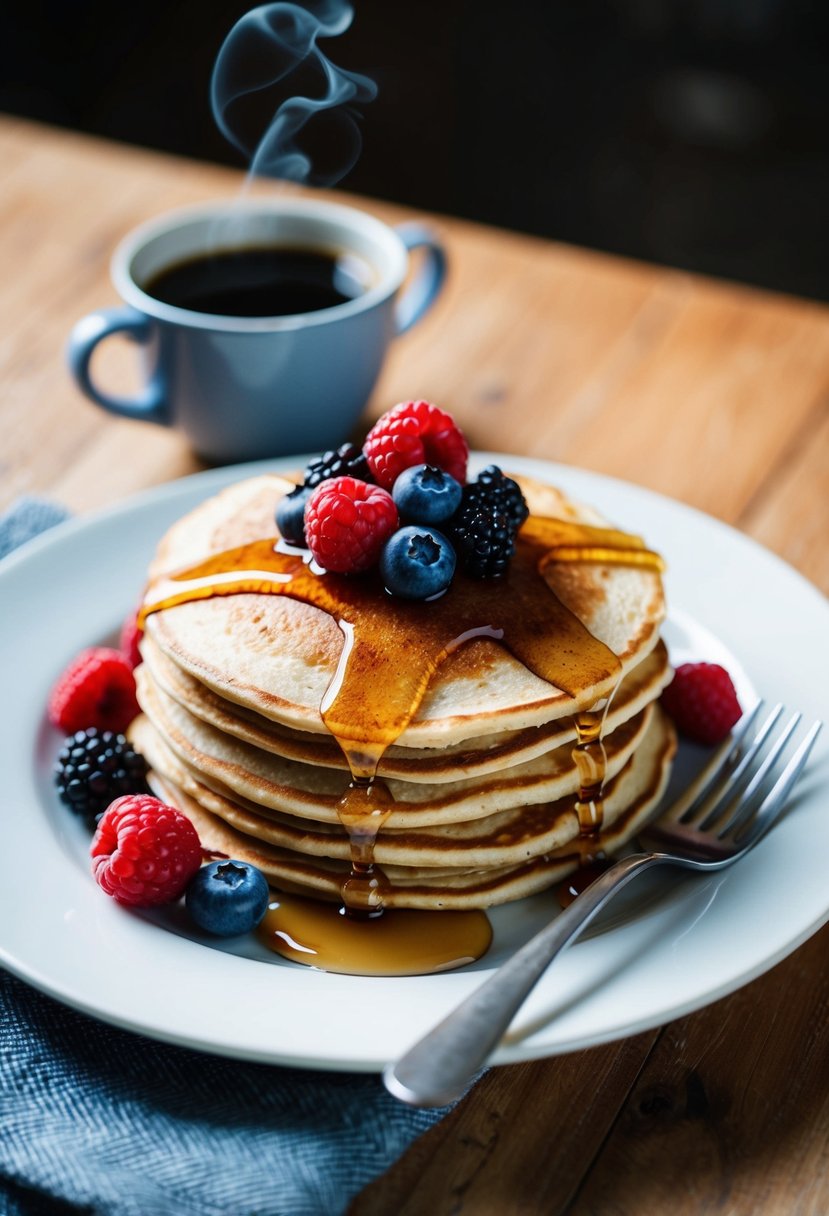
column 312, row 792
column 277, row 656
column 485, row 786
column 631, row 799
column 469, row 758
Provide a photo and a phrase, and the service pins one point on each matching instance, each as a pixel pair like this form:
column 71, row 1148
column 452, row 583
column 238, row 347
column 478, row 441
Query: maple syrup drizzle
column 591, row 762
column 393, row 647
column 566, row 541
column 590, row 757
column 362, row 811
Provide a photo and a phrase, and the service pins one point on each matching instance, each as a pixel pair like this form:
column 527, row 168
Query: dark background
column 691, row 133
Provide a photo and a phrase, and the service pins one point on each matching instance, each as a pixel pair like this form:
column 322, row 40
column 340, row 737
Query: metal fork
column 715, row 821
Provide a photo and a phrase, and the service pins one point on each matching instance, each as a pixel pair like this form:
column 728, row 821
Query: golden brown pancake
column 277, row 656
column 483, row 775
column 312, row 792
column 498, row 838
column 631, row 800
column 470, row 758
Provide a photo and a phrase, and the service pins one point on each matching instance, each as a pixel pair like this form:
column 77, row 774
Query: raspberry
column 131, row 635
column 93, row 768
column 702, row 701
column 415, row 432
column 347, row 461
column 144, row 852
column 347, row 522
column 96, row 689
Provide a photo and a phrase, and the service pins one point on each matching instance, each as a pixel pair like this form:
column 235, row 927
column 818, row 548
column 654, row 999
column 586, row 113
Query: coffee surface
column 269, row 281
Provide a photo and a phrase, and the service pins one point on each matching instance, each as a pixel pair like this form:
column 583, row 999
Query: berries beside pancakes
column 94, row 768
column 96, row 689
column 144, row 852
column 702, row 701
column 130, row 638
column 227, row 898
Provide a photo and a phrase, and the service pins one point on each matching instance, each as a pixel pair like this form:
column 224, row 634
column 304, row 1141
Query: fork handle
column 440, row 1066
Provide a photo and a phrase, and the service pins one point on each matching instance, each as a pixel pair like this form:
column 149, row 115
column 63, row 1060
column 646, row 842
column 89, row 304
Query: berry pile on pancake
column 503, row 727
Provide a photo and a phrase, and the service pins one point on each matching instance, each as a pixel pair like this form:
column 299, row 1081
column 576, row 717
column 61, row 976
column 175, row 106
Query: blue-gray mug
column 241, row 387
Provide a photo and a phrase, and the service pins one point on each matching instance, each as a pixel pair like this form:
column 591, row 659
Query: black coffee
column 261, row 282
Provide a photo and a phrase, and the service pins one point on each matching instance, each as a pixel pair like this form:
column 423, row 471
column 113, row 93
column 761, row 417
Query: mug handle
column 425, row 286
column 148, row 406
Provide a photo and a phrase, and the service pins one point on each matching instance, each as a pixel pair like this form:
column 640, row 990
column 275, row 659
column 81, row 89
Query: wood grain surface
column 714, row 394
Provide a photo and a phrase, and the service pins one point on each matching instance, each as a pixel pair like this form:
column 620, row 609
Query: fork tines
column 740, row 793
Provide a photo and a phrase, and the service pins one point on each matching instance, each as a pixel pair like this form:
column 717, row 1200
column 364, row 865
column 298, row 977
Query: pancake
column 498, row 839
column 630, row 800
column 469, row 758
column 312, row 792
column 513, row 722
column 278, row 656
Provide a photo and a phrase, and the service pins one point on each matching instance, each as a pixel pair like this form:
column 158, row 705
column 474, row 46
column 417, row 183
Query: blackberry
column 347, row 461
column 485, row 525
column 94, row 768
column 484, row 540
column 492, row 489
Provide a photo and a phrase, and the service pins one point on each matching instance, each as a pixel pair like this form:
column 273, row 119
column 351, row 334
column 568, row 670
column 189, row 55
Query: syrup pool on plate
column 399, row 942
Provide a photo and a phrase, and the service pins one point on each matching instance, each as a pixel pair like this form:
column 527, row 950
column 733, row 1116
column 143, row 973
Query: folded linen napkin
column 97, row 1120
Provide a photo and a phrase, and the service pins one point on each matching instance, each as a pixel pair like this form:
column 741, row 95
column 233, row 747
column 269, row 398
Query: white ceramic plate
column 672, row 947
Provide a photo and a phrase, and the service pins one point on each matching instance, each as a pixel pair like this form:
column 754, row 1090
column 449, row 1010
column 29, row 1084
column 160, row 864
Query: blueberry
column 417, row 563
column 227, row 898
column 426, row 494
column 290, row 515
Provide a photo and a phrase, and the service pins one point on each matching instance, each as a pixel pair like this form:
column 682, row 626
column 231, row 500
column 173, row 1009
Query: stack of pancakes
column 483, row 778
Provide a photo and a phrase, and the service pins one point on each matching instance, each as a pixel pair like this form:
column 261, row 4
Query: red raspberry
column 131, row 635
column 415, row 432
column 96, row 689
column 347, row 522
column 702, row 701
column 144, row 852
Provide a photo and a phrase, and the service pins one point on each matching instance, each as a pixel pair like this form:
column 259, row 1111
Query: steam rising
column 263, row 54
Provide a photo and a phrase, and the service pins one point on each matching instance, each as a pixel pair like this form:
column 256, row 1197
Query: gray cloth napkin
column 26, row 518
column 94, row 1119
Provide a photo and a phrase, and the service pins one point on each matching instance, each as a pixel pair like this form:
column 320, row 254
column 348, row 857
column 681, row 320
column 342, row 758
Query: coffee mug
column 243, row 387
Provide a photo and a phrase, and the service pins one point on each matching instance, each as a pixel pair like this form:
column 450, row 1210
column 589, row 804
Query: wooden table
column 712, row 393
